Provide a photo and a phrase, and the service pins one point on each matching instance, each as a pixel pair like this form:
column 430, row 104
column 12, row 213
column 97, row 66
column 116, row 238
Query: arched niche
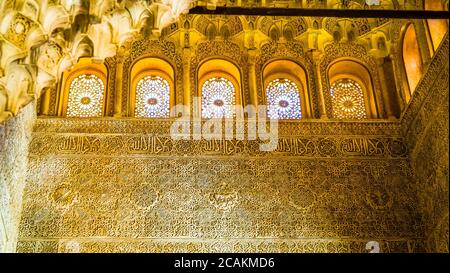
column 353, row 70
column 288, row 69
column 85, row 66
column 219, row 68
column 437, row 28
column 412, row 60
column 154, row 67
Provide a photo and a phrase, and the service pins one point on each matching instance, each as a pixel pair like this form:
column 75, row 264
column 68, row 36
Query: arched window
column 283, row 100
column 83, row 90
column 152, row 98
column 412, row 59
column 152, row 91
column 347, row 98
column 86, row 96
column 218, row 98
column 219, row 88
column 351, row 91
column 286, row 90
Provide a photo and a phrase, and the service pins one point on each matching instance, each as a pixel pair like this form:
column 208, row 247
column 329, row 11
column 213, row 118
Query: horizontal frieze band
column 313, row 146
column 341, row 245
column 161, row 126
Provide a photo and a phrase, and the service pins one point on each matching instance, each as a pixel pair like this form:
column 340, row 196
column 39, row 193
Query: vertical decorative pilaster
column 385, row 94
column 187, row 53
column 118, row 85
column 252, row 85
column 316, row 56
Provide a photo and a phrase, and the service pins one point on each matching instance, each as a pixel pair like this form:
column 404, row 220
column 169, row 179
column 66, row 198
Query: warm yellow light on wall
column 437, row 27
column 412, row 58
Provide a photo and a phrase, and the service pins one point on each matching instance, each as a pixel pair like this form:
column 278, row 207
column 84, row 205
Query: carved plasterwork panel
column 425, row 123
column 216, row 195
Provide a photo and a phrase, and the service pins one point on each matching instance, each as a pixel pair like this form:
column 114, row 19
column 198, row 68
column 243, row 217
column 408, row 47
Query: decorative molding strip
column 225, row 245
column 311, row 146
column 162, row 126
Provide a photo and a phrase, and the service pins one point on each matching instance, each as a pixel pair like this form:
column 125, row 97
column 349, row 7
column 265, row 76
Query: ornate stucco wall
column 110, row 185
column 121, row 184
column 15, row 136
column 103, row 185
column 426, row 127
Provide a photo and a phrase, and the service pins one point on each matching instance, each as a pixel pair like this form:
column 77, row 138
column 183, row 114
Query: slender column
column 252, row 85
column 118, row 85
column 316, row 56
column 187, row 52
column 387, row 100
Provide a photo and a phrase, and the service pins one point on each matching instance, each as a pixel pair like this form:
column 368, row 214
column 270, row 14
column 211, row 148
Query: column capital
column 379, row 60
column 252, row 53
column 187, row 50
column 316, row 56
column 187, row 53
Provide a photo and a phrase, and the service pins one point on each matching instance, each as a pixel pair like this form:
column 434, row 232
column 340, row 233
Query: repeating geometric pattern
column 152, row 98
column 283, row 100
column 347, row 100
column 86, row 93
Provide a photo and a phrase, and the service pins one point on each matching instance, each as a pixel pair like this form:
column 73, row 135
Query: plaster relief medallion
column 327, row 147
column 64, row 196
column 224, row 198
column 397, row 147
column 379, row 199
column 302, row 198
column 108, row 202
column 145, row 197
column 337, row 170
column 114, row 145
